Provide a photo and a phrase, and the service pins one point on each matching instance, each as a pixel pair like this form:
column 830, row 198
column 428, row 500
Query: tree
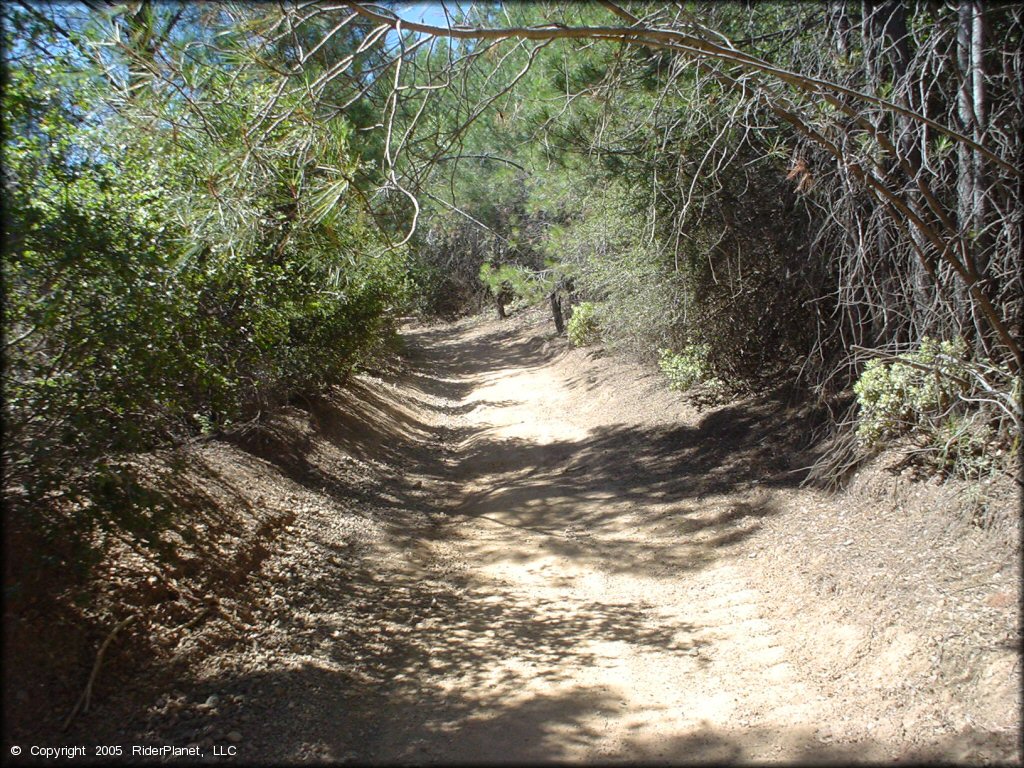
column 178, row 260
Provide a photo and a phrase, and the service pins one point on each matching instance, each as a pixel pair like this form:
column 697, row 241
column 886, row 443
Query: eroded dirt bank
column 521, row 552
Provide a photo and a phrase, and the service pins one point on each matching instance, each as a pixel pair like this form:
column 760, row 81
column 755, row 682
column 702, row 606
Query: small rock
column 234, row 736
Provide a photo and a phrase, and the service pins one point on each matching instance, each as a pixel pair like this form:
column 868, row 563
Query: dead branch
column 83, row 700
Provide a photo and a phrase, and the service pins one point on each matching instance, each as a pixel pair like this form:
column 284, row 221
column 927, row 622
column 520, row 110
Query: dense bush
column 688, row 368
column 754, row 285
column 927, row 392
column 637, row 299
column 583, row 328
column 915, row 389
column 173, row 286
column 446, row 259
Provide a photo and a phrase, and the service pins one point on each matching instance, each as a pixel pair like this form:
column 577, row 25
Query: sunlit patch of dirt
column 518, row 551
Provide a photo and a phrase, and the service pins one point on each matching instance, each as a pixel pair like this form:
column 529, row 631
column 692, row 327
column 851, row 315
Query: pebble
column 234, row 736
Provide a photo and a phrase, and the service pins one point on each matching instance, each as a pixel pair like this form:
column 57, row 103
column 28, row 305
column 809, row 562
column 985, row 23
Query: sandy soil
column 520, row 552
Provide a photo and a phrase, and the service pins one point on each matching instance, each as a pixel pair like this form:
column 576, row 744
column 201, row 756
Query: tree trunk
column 556, row 312
column 970, row 184
column 502, row 297
column 840, row 20
column 965, row 156
column 978, row 100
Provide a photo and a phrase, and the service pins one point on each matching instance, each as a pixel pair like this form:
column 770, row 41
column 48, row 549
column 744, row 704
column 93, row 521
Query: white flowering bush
column 897, row 396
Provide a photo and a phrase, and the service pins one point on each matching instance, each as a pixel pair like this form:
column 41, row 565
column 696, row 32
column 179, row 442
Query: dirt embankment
column 518, row 551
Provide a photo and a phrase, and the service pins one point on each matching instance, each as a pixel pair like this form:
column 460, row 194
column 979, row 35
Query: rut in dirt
column 560, row 565
column 600, row 614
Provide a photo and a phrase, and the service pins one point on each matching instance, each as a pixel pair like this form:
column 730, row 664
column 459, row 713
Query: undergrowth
column 583, row 328
column 930, row 393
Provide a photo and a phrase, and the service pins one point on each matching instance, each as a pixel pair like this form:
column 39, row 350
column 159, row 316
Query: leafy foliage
column 688, row 368
column 925, row 392
column 616, row 266
column 583, row 328
column 917, row 388
column 163, row 277
column 524, row 285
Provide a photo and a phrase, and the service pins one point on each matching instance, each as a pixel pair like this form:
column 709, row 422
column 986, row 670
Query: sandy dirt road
column 606, row 610
column 550, row 557
column 620, row 621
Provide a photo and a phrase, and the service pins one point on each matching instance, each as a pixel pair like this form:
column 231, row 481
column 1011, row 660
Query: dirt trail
column 526, row 553
column 624, row 623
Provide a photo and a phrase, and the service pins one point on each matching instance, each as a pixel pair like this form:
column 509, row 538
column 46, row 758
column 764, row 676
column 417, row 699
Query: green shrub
column 895, row 397
column 583, row 328
column 524, row 284
column 615, row 264
column 164, row 289
column 688, row 368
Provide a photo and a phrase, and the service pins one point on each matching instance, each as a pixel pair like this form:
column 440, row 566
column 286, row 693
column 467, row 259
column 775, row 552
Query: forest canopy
column 213, row 209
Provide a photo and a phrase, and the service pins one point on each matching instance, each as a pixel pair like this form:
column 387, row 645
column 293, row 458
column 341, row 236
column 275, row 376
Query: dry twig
column 83, row 700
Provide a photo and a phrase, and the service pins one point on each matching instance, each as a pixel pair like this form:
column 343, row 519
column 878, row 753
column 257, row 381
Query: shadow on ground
column 373, row 687
column 371, row 644
column 671, row 474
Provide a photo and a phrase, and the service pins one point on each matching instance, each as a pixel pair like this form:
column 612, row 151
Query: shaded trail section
column 530, row 553
column 593, row 537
